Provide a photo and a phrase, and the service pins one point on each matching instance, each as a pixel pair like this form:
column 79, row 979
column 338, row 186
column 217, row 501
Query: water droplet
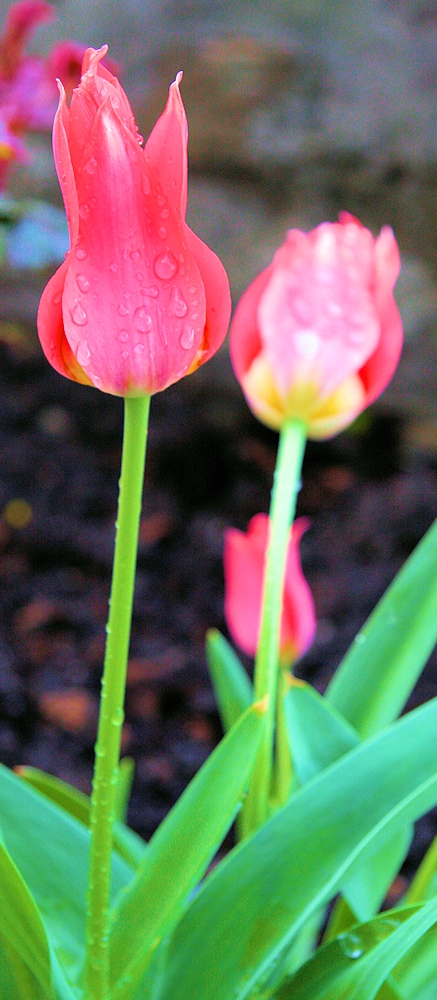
column 194, row 315
column 152, row 292
column 160, row 199
column 307, row 343
column 178, row 305
column 91, row 165
column 125, row 354
column 162, row 233
column 57, row 298
column 132, row 152
column 139, row 348
column 82, row 283
column 122, row 309
column 143, row 321
column 113, row 267
column 79, row 316
column 383, row 928
column 80, row 253
column 123, row 336
column 165, row 265
column 164, row 214
column 84, row 211
column 186, row 339
column 359, row 639
column 135, row 255
column 351, row 945
column 83, row 354
column 193, row 289
column 145, row 184
column 139, row 276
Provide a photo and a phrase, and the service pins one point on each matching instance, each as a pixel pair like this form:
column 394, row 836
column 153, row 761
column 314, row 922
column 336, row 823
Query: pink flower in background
column 317, row 336
column 139, row 301
column 244, row 564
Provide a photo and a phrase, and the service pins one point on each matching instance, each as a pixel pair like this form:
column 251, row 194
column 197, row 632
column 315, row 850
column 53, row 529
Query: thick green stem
column 111, row 716
column 282, row 765
column 282, row 508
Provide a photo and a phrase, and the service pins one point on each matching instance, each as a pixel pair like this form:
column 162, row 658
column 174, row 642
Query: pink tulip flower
column 317, row 336
column 139, row 301
column 244, row 564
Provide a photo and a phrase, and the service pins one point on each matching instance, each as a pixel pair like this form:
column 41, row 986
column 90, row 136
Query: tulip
column 244, row 565
column 139, row 301
column 317, row 336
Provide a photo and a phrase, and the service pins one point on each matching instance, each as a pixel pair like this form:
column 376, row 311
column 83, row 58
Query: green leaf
column 17, row 982
column 233, row 689
column 367, row 888
column 416, row 974
column 250, row 908
column 356, row 964
column 21, row 923
column 124, row 787
column 424, row 884
column 126, row 842
column 318, row 734
column 381, row 668
column 50, row 849
column 181, row 849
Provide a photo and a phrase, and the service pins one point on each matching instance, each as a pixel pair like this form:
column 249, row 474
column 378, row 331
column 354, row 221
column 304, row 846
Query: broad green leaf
column 389, row 991
column 249, row 909
column 21, row 923
column 355, row 965
column 124, row 788
column 318, row 734
column 232, row 686
column 416, row 974
column 381, row 668
column 17, row 982
column 50, row 849
column 182, row 847
column 126, row 842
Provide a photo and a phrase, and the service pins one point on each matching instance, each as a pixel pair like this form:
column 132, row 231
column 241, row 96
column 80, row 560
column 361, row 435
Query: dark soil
column 209, row 465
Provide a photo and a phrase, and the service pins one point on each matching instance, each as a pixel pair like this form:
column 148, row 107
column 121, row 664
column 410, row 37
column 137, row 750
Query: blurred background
column 296, row 110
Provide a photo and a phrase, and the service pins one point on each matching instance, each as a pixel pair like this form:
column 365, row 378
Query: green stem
column 282, row 508
column 283, row 765
column 104, row 794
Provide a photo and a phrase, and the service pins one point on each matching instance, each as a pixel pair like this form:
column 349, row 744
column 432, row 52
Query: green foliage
column 232, row 686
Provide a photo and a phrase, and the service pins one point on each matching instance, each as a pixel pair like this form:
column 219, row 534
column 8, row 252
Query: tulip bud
column 139, row 301
column 244, row 566
column 317, row 336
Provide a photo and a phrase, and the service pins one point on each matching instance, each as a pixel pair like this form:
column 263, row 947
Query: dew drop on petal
column 91, row 165
column 125, row 354
column 80, row 253
column 84, row 211
column 123, row 336
column 139, row 276
column 145, row 184
column 162, row 233
column 79, row 315
column 122, row 309
column 82, row 283
column 160, row 199
column 152, row 292
column 83, row 354
column 143, row 321
column 193, row 289
column 164, row 214
column 139, row 348
column 165, row 265
column 186, row 339
column 307, row 343
column 57, row 298
column 113, row 267
column 178, row 305
column 135, row 255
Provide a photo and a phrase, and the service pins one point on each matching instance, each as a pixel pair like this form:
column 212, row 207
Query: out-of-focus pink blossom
column 140, row 301
column 317, row 336
column 244, row 567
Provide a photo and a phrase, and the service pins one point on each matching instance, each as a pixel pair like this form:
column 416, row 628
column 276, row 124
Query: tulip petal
column 380, row 367
column 51, row 329
column 217, row 296
column 245, row 341
column 243, row 566
column 153, row 312
column 64, row 168
column 317, row 316
column 166, row 149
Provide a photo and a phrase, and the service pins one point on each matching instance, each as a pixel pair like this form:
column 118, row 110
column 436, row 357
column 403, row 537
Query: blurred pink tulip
column 244, row 564
column 317, row 336
column 139, row 301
